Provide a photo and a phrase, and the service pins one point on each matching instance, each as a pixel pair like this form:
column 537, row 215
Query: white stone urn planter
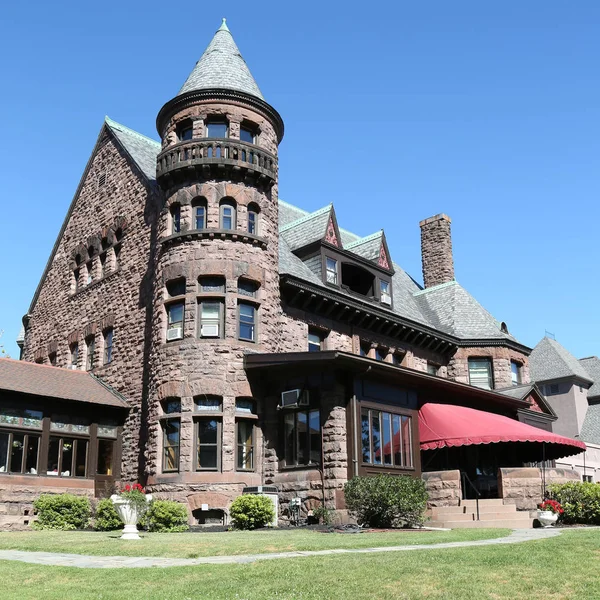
column 547, row 518
column 130, row 515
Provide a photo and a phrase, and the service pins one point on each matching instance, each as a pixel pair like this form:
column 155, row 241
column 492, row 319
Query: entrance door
column 105, row 468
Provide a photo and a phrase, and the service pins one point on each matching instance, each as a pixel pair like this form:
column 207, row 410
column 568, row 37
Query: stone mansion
column 197, row 334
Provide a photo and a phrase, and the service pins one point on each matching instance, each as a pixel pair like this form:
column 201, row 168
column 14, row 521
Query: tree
column 3, row 352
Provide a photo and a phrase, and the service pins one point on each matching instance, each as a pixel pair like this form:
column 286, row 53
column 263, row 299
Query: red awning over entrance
column 447, row 425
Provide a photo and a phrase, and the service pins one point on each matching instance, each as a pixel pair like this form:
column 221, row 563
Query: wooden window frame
column 208, row 416
column 174, row 324
column 26, row 433
column 254, row 323
column 240, row 447
column 387, row 302
column 76, row 439
column 519, row 372
column 320, row 335
column 490, row 362
column 294, row 464
column 200, row 203
column 175, row 218
column 217, row 121
column 228, row 203
column 107, row 354
column 220, row 301
column 164, row 422
column 326, row 271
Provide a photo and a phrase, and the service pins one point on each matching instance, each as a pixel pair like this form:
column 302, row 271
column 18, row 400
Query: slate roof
column 450, row 308
column 518, row 392
column 367, row 247
column 222, row 66
column 307, row 229
column 591, row 364
column 549, row 360
column 54, row 382
column 590, row 430
column 142, row 150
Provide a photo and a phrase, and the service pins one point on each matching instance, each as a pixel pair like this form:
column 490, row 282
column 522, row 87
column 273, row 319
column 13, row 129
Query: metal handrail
column 465, row 479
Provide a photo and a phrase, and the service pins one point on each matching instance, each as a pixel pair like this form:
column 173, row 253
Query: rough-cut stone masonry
column 436, row 250
column 61, row 317
column 443, row 488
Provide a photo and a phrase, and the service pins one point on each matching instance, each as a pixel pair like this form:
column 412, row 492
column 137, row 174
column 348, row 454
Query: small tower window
column 315, row 340
column 253, row 211
column 108, row 346
column 228, row 219
column 515, row 372
column 175, row 218
column 90, row 346
column 247, row 322
column 216, row 129
column 185, row 131
column 74, row 348
column 247, row 134
column 199, row 211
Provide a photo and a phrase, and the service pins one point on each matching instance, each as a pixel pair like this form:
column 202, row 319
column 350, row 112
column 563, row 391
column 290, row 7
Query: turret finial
column 223, row 25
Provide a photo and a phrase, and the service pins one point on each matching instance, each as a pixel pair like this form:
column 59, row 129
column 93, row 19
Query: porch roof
column 445, row 426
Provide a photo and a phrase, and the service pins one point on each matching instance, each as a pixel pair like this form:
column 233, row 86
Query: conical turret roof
column 222, row 66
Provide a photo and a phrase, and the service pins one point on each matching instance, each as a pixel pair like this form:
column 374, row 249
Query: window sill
column 219, row 234
column 308, row 467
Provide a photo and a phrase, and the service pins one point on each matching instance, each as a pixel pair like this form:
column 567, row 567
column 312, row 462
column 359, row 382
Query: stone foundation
column 443, row 487
column 523, row 486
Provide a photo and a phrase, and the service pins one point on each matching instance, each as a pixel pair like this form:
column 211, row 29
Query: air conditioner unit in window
column 74, row 367
column 209, row 330
column 294, row 398
column 176, row 333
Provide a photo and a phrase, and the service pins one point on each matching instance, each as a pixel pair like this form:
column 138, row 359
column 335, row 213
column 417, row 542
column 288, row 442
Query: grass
column 561, row 568
column 192, row 545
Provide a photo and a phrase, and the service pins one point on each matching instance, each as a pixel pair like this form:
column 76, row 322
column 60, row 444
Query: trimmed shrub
column 580, row 501
column 387, row 500
column 107, row 518
column 62, row 511
column 166, row 516
column 251, row 511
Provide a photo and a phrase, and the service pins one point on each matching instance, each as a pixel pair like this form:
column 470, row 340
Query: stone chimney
column 436, row 250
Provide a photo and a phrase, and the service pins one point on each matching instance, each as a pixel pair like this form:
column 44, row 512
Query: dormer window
column 331, row 268
column 358, row 280
column 216, row 129
column 384, row 290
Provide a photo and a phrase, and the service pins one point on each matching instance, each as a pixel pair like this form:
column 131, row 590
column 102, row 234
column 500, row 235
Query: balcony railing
column 208, row 154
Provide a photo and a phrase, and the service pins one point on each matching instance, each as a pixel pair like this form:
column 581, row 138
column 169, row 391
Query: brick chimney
column 436, row 250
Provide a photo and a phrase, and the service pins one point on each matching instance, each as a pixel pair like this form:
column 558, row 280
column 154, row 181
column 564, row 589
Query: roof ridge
column 108, row 387
column 280, row 201
column 126, row 129
column 305, row 218
column 364, row 240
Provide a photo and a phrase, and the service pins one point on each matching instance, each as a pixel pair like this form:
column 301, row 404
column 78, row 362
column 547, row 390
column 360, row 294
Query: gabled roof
column 222, row 67
column 142, row 150
column 549, row 360
column 523, row 391
column 373, row 248
column 591, row 364
column 450, row 308
column 307, row 229
column 53, row 382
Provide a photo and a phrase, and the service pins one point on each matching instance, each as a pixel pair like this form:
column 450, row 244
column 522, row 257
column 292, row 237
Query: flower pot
column 547, row 518
column 130, row 514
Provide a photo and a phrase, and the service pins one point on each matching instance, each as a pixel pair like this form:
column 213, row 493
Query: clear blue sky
column 394, row 111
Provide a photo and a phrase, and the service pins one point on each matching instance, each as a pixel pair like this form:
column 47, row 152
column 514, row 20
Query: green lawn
column 191, row 545
column 565, row 567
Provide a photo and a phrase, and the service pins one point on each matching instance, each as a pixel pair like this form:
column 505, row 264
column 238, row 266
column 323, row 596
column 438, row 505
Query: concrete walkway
column 81, row 561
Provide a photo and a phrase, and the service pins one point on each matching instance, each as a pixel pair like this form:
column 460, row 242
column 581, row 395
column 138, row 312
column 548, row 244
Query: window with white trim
column 481, row 373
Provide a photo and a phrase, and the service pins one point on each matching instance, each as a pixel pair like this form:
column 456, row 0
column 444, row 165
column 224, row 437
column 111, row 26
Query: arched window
column 175, row 218
column 227, row 208
column 199, row 213
column 90, row 265
column 253, row 212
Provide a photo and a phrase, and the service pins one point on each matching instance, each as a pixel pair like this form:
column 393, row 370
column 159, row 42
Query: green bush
column 61, row 511
column 387, row 500
column 165, row 516
column 107, row 518
column 580, row 501
column 251, row 511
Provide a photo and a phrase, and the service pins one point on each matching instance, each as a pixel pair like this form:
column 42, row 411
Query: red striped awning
column 448, row 426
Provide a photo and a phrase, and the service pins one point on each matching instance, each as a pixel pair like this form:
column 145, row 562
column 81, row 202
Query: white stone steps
column 514, row 523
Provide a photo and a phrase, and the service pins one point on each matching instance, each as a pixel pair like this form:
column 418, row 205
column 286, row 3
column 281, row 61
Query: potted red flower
column 131, row 503
column 548, row 512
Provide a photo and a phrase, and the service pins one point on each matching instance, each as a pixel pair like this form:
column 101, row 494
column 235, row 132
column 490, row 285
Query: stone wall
column 443, row 487
column 523, row 486
column 120, row 299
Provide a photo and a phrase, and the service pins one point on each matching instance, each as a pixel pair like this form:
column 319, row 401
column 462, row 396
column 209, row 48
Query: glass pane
column 107, row 430
column 210, row 311
column 480, row 374
column 289, row 438
column 314, row 342
column 376, row 436
column 245, row 450
column 105, row 457
column 66, row 465
column 246, row 331
column 397, row 441
column 186, row 134
column 175, row 313
column 244, row 405
column 314, row 428
column 247, row 288
column 246, row 135
column 216, row 130
column 387, row 439
column 10, row 416
column 53, row 449
column 207, row 457
column 16, row 453
column 227, row 222
column 200, row 222
column 32, row 418
column 247, row 313
column 171, row 458
column 172, row 432
column 171, row 406
column 301, row 440
column 176, row 288
column 407, row 442
column 207, row 404
column 81, row 458
column 365, row 436
column 212, row 284
column 207, row 431
column 251, row 222
column 3, row 452
column 31, row 459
